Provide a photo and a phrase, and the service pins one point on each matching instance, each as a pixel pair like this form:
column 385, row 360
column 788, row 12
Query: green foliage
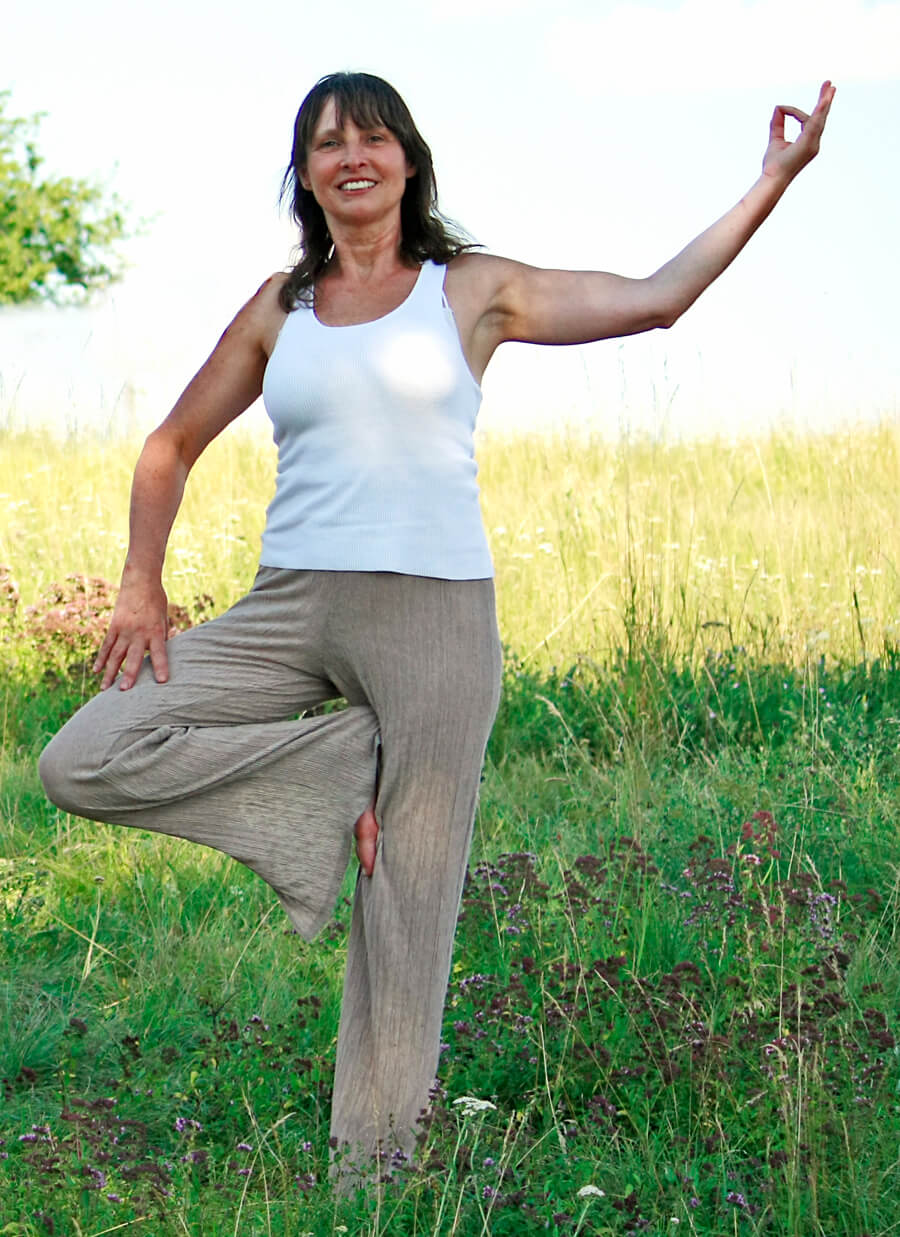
column 729, row 700
column 56, row 234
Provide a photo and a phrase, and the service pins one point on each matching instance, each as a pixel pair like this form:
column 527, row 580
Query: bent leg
column 216, row 755
column 431, row 670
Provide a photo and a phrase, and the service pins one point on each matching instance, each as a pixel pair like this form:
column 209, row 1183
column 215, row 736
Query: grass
column 677, row 973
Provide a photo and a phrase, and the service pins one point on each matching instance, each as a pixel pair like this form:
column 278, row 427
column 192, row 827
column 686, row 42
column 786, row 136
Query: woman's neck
column 361, row 255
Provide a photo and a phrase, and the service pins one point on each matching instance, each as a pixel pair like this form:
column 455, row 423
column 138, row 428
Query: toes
column 366, row 831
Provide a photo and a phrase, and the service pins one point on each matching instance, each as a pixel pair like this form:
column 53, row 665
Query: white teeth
column 357, row 184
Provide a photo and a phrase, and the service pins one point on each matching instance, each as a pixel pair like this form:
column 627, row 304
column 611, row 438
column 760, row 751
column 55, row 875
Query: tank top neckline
column 348, row 326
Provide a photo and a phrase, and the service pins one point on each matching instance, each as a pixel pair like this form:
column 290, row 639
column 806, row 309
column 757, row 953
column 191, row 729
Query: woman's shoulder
column 263, row 315
column 474, row 280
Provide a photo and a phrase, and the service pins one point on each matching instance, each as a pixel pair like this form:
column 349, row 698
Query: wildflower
column 733, row 1196
column 488, row 1192
column 244, row 1147
column 306, row 1146
column 469, row 1105
column 591, row 1191
column 488, row 1161
column 114, row 1198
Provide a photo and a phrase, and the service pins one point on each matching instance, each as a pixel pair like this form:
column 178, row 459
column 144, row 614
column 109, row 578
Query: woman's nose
column 354, row 154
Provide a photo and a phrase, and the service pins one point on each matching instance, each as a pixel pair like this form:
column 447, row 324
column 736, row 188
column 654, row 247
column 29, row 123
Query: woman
column 375, row 578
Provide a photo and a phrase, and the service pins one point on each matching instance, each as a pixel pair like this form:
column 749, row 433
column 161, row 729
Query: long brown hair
column 369, row 101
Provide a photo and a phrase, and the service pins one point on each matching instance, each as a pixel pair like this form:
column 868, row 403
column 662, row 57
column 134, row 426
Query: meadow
column 676, row 985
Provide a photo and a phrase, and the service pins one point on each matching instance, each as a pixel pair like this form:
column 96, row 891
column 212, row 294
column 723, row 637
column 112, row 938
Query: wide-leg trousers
column 218, row 756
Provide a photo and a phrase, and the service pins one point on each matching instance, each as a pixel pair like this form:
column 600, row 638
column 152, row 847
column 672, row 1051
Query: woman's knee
column 65, row 770
column 55, row 777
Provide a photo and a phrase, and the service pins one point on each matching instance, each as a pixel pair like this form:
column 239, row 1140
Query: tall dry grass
column 787, row 546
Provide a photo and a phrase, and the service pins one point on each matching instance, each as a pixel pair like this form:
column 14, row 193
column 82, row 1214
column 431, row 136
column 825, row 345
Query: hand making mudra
column 375, row 580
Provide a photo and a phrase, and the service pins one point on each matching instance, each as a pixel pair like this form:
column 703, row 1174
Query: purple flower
column 114, row 1198
column 244, row 1147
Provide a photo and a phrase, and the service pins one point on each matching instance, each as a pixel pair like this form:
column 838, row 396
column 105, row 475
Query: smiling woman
column 375, row 580
column 377, row 117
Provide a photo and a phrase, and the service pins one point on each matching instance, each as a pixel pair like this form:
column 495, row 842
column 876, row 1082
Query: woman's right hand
column 139, row 625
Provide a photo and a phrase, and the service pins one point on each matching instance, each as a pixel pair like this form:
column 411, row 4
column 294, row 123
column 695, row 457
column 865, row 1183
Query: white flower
column 591, row 1191
column 470, row 1104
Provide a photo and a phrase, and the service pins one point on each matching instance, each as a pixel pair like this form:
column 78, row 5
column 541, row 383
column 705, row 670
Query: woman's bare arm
column 227, row 384
column 512, row 301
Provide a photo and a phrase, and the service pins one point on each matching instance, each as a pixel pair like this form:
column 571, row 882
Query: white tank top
column 374, row 425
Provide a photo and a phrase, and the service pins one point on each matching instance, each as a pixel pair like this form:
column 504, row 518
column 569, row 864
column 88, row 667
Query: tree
column 56, row 235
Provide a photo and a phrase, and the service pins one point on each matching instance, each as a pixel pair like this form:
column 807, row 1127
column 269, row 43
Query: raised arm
column 227, row 384
column 525, row 303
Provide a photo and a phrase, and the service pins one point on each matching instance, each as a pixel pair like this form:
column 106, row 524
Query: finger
column 823, row 106
column 796, row 112
column 134, row 659
column 159, row 659
column 113, row 661
column 826, row 94
column 103, row 651
column 776, row 125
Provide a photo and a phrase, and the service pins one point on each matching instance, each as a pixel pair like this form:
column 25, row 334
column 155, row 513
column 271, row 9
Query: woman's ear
column 303, row 178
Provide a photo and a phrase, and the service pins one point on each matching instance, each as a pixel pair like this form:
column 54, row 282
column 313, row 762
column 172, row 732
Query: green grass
column 677, row 969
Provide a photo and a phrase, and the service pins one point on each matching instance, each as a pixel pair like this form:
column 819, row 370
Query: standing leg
column 217, row 756
column 425, row 653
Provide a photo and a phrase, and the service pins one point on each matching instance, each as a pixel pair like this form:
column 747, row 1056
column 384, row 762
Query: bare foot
column 366, row 831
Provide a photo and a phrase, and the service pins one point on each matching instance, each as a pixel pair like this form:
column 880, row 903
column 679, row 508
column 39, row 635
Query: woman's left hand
column 784, row 159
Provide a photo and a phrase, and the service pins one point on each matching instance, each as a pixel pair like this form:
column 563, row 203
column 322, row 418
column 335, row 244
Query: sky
column 585, row 134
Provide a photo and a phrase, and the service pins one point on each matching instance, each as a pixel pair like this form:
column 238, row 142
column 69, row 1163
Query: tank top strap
column 430, row 285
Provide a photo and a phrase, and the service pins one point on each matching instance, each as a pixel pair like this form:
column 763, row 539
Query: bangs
column 361, row 105
column 366, row 100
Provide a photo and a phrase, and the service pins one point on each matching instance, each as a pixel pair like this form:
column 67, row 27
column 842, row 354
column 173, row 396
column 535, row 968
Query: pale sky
column 582, row 134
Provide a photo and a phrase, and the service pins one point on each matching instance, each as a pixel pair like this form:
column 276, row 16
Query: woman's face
column 356, row 175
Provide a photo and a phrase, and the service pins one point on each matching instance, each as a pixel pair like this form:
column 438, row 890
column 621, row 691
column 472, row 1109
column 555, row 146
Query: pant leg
column 216, row 755
column 426, row 655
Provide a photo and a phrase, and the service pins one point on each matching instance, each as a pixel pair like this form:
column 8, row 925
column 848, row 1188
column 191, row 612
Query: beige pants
column 216, row 755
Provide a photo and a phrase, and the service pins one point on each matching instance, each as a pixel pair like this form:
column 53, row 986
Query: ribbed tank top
column 374, row 427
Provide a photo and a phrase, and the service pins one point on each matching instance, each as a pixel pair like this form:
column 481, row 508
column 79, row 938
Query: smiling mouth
column 350, row 186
